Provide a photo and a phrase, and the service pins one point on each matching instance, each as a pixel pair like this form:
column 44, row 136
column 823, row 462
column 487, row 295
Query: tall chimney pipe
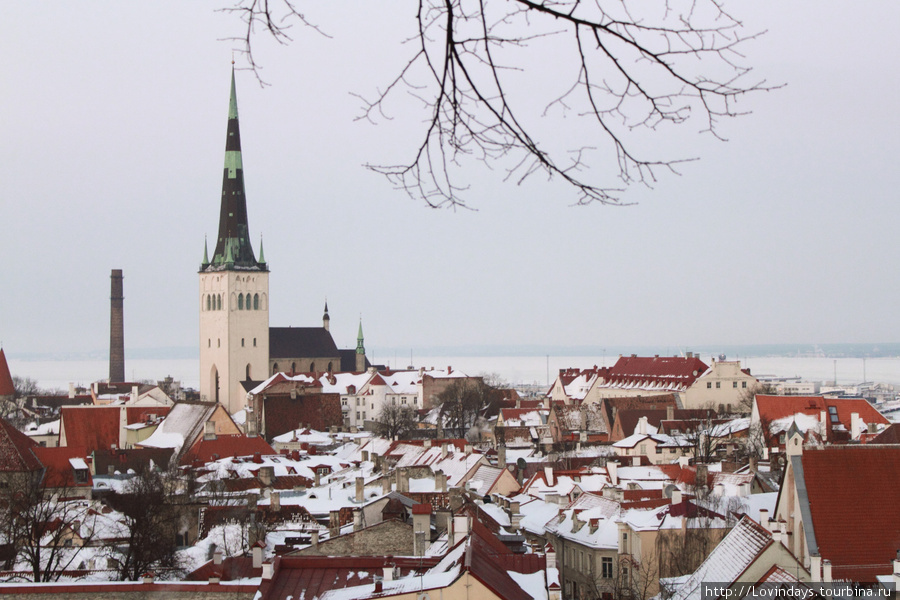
column 116, row 328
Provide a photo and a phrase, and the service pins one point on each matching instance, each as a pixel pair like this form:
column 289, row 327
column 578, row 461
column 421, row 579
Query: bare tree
column 748, row 395
column 152, row 515
column 42, row 521
column 463, row 402
column 395, row 421
column 623, row 67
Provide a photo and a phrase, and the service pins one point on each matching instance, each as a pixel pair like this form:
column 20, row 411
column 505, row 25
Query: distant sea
column 57, row 373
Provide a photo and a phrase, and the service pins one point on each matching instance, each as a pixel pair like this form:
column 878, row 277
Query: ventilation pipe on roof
column 267, row 570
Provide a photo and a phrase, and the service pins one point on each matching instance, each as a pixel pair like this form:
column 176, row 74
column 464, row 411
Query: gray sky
column 113, row 115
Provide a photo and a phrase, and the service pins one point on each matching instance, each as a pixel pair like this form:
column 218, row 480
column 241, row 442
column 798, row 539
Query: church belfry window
column 255, row 301
column 242, row 345
column 208, row 301
column 254, row 342
column 274, row 368
column 219, row 302
column 240, row 302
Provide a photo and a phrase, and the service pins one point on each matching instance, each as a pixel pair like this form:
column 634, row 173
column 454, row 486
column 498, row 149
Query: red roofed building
column 842, row 504
column 17, row 459
column 212, row 447
column 834, row 420
column 66, row 470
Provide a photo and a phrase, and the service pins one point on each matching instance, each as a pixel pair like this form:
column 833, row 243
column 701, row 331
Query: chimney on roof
column 855, row 426
column 388, row 573
column 275, row 501
column 267, row 475
column 670, row 413
column 444, row 450
column 116, row 328
column 379, row 585
column 501, row 457
column 897, row 573
column 267, row 570
column 689, row 354
column 642, row 426
column 317, row 479
column 217, row 556
column 815, row 568
column 548, row 474
column 250, row 425
column 357, row 519
column 360, row 490
column 71, row 389
column 334, row 524
column 468, row 449
column 612, row 469
column 385, row 484
column 421, row 528
column 676, row 496
column 826, row 571
column 314, row 538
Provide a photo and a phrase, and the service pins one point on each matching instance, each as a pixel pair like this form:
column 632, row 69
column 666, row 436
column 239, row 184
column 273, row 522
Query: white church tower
column 234, row 292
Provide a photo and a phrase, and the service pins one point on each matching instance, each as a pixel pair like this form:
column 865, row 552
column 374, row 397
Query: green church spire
column 205, row 262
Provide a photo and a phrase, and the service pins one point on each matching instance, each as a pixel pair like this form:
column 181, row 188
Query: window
column 219, row 343
column 606, row 567
column 255, row 301
column 208, row 302
column 209, row 343
column 242, row 342
column 734, row 384
column 254, row 342
column 718, row 384
column 274, row 368
column 659, row 450
column 709, row 385
column 743, row 384
column 219, row 302
column 240, row 302
column 357, row 415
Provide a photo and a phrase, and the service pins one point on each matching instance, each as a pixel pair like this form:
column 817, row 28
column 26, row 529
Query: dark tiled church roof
column 301, row 342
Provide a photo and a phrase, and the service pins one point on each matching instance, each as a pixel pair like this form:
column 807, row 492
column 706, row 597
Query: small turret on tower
column 326, row 320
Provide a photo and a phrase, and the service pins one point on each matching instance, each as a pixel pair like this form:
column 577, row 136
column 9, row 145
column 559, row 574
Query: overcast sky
column 112, row 119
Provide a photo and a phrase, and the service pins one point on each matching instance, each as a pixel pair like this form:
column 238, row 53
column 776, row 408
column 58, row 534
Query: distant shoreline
column 731, row 351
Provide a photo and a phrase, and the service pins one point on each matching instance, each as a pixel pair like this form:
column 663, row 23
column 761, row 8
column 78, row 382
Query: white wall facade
column 234, row 334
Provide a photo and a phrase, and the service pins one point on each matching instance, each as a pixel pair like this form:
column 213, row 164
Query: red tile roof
column 16, row 450
column 93, row 427
column 59, row 470
column 854, row 499
column 204, row 451
column 665, row 370
column 6, row 383
column 771, row 408
column 142, row 414
column 232, row 568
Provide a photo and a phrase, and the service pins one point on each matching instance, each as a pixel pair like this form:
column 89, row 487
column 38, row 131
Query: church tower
column 234, row 291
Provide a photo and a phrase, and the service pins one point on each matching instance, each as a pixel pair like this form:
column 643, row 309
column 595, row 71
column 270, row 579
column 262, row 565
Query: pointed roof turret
column 360, row 348
column 233, row 248
column 7, row 387
column 262, row 255
column 205, row 262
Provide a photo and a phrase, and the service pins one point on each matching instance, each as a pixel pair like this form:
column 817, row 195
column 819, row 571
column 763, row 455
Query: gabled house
column 188, row 424
column 833, row 420
column 573, row 424
column 745, row 555
column 841, row 504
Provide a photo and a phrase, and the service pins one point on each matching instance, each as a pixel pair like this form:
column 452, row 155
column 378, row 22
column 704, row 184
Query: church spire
column 233, row 247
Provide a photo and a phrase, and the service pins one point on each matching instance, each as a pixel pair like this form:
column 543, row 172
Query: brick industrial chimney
column 116, row 328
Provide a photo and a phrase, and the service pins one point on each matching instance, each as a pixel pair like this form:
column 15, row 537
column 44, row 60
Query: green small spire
column 232, row 103
column 360, row 348
column 229, row 255
column 262, row 255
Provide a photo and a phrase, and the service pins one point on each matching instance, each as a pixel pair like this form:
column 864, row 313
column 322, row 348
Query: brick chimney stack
column 116, row 328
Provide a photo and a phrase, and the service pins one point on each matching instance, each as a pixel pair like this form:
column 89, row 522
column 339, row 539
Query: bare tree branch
column 636, row 65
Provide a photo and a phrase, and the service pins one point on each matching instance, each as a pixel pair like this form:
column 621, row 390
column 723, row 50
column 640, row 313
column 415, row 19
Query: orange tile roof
column 223, row 446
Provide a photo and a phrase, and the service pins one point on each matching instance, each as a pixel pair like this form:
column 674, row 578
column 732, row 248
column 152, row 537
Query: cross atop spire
column 233, row 248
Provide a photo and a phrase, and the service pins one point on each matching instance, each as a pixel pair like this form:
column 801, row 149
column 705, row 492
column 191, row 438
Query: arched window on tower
column 240, row 302
column 274, row 368
column 248, row 373
column 219, row 302
column 255, row 301
column 208, row 302
column 312, row 367
column 293, row 367
column 330, row 367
